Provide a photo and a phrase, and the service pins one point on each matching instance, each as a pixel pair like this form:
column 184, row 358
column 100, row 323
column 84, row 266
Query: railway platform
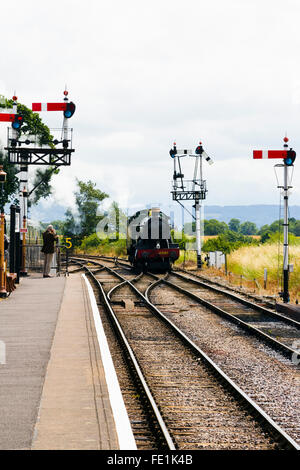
column 58, row 385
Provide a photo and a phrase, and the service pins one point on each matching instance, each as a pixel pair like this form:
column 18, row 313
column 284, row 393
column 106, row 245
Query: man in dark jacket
column 49, row 237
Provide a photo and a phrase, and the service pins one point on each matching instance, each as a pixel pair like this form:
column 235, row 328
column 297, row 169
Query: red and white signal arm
column 7, row 117
column 259, row 154
column 38, row 107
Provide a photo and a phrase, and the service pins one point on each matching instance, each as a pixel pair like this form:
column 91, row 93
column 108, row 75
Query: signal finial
column 66, row 94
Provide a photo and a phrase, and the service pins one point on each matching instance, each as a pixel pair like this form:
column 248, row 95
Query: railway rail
column 176, row 369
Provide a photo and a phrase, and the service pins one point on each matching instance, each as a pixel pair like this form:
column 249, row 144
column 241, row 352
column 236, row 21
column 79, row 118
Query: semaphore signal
column 288, row 156
column 193, row 189
column 259, row 154
column 67, row 108
column 39, row 107
column 9, row 117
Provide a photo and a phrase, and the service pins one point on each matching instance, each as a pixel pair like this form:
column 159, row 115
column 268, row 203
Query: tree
column 8, row 190
column 297, row 228
column 214, row 227
column 276, row 225
column 234, row 225
column 263, row 229
column 227, row 242
column 265, row 236
column 248, row 228
column 88, row 198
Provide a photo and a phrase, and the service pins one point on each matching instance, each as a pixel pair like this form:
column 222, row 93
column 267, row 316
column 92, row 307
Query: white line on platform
column 123, row 426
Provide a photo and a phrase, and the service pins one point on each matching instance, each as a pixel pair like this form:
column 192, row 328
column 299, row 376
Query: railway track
column 276, row 330
column 194, row 404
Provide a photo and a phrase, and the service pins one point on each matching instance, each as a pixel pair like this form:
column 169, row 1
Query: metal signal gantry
column 288, row 157
column 193, row 189
column 31, row 150
column 25, row 150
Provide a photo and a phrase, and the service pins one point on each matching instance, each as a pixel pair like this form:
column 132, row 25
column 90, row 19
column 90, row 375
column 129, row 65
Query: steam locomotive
column 149, row 242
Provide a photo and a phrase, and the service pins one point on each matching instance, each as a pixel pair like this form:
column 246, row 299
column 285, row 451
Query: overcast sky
column 143, row 74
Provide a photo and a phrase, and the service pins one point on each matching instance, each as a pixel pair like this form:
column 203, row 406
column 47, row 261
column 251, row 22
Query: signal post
column 288, row 157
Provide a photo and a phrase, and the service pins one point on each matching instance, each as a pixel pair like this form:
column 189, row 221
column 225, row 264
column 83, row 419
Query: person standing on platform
column 49, row 237
column 6, row 246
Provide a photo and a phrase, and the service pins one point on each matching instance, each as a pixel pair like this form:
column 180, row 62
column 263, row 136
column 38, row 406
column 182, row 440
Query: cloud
column 145, row 74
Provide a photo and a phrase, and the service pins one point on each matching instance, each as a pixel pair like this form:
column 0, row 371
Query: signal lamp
column 17, row 122
column 290, row 158
column 173, row 151
column 199, row 150
column 70, row 110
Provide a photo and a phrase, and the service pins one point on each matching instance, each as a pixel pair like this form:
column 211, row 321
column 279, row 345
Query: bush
column 93, row 244
column 182, row 239
column 277, row 237
column 90, row 242
column 229, row 241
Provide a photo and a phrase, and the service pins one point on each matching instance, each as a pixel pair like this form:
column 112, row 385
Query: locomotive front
column 149, row 242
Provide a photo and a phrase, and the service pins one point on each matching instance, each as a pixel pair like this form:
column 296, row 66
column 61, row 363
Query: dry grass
column 246, row 266
column 250, row 262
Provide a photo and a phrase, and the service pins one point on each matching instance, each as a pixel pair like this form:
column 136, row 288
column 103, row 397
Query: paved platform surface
column 75, row 411
column 27, row 325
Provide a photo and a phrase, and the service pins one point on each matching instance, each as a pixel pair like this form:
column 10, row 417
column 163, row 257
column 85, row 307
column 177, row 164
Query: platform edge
column 122, row 422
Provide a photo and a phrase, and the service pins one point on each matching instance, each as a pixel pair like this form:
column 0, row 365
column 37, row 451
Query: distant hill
column 259, row 214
